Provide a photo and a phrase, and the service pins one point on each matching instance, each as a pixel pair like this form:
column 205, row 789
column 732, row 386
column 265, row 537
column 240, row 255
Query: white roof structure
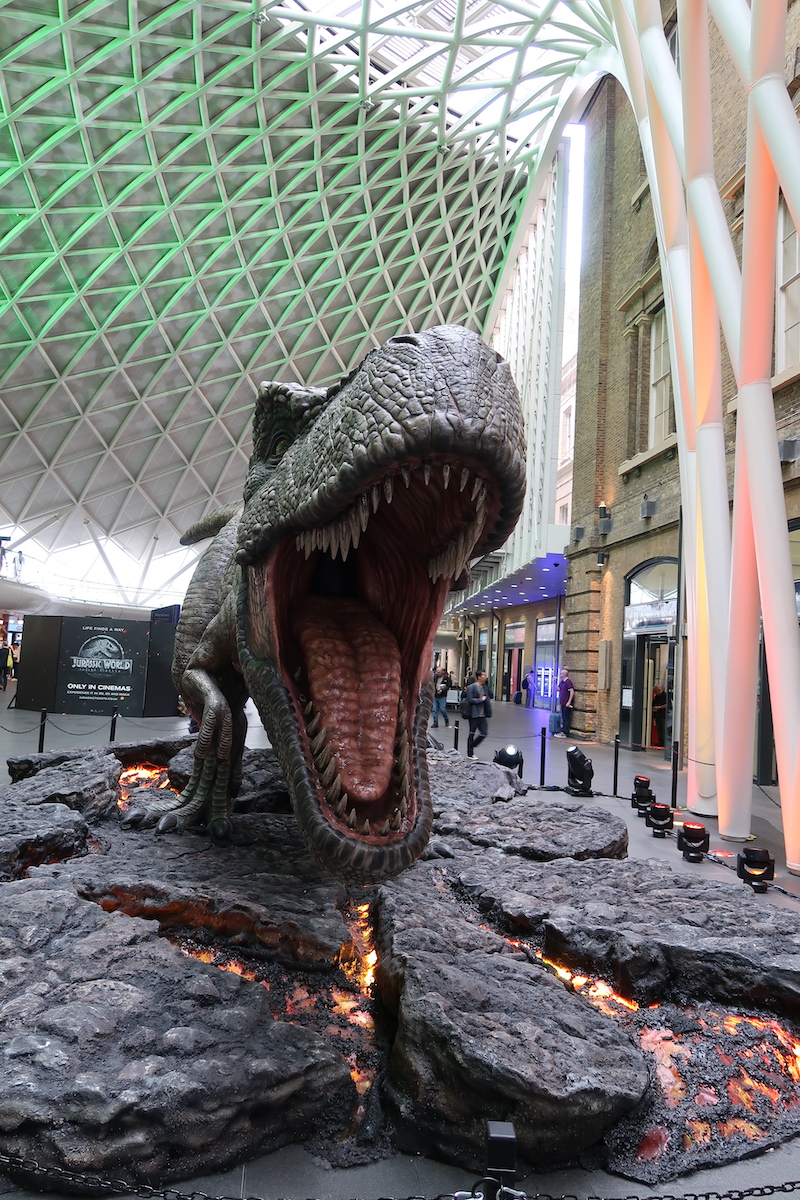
column 195, row 197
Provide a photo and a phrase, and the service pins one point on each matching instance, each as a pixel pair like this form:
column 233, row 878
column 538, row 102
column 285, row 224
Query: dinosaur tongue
column 353, row 669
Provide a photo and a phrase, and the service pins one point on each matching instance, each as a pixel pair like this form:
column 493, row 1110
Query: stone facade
column 621, row 460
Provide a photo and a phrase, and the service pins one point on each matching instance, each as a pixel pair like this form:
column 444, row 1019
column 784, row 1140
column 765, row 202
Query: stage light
column 693, row 841
column 642, row 796
column 756, row 867
column 660, row 819
column 510, row 756
column 580, row 773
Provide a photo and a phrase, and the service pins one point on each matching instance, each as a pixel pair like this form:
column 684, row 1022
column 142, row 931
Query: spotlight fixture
column 642, row 796
column 601, row 558
column 756, row 866
column 605, row 522
column 660, row 819
column 580, row 773
column 510, row 756
column 693, row 841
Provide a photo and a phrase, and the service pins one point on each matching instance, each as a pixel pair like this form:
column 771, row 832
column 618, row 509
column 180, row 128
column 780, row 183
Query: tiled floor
column 292, row 1172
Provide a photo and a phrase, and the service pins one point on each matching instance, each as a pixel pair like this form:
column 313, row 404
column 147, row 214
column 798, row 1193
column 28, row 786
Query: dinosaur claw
column 168, row 823
column 220, row 829
column 133, row 818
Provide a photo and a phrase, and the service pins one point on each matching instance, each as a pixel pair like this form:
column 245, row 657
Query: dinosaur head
column 363, row 506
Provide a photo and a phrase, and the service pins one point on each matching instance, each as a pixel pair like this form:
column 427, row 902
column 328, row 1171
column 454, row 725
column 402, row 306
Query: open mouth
column 353, row 605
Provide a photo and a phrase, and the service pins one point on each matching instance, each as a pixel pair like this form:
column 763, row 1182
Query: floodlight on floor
column 580, row 773
column 756, row 866
column 693, row 841
column 660, row 819
column 510, row 756
column 642, row 795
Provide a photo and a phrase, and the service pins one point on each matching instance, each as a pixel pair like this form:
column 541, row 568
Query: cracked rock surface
column 653, row 934
column 484, row 1033
column 123, row 1056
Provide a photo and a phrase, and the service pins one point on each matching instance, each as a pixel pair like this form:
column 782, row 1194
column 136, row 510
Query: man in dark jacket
column 480, row 697
column 441, row 686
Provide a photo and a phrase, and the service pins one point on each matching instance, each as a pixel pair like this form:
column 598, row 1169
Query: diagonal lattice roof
column 194, row 198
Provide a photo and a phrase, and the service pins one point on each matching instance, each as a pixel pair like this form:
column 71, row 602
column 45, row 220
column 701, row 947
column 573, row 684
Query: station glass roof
column 198, row 196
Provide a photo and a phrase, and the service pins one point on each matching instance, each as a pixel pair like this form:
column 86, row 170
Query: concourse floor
column 292, row 1173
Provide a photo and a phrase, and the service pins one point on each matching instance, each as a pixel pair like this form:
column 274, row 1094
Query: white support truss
column 733, row 573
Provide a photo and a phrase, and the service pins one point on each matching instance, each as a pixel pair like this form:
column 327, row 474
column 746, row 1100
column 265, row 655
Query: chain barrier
column 32, row 729
column 495, row 1191
column 75, row 733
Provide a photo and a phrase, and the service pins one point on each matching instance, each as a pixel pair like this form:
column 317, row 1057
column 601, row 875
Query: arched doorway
column 648, row 655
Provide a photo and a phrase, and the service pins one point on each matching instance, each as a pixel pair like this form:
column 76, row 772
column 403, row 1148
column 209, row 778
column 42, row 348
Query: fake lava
column 341, row 1010
column 723, row 1081
column 146, row 775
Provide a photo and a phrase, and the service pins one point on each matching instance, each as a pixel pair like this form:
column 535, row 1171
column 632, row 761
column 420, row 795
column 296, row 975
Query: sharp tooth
column 365, row 829
column 477, row 485
column 297, row 675
column 401, row 716
column 355, row 526
column 406, row 473
column 334, row 791
column 403, row 807
column 344, row 538
column 324, row 757
column 319, row 741
column 426, row 472
column 351, row 819
column 329, row 774
column 395, row 821
column 298, row 541
column 376, row 496
column 464, row 478
column 341, row 807
column 314, row 725
column 384, row 829
column 484, row 493
column 309, row 708
column 388, row 488
column 325, row 538
column 363, row 507
column 333, row 533
column 445, row 475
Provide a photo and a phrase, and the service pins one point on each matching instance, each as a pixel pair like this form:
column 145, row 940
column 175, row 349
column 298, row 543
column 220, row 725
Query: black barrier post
column 455, row 735
column 114, row 712
column 616, row 762
column 42, row 723
column 674, row 774
column 542, row 759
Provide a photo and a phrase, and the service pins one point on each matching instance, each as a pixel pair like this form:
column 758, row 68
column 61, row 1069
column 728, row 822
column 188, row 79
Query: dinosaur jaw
column 348, row 612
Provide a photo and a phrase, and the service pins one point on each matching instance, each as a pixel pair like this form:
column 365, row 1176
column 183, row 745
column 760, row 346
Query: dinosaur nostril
column 408, row 338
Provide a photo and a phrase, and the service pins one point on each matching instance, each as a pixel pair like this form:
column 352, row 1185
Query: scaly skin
column 321, row 595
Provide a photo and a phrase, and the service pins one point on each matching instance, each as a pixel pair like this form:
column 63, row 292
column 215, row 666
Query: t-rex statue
column 321, row 595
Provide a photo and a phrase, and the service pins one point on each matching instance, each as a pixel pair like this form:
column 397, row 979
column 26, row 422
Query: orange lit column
column 756, row 416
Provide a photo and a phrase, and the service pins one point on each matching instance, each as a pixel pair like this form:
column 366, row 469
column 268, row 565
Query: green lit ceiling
column 195, row 197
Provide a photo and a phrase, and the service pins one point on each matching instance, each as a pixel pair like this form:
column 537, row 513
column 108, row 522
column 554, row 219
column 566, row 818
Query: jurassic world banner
column 101, row 664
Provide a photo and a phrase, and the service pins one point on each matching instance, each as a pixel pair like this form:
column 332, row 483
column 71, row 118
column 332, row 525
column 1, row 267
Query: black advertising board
column 102, row 664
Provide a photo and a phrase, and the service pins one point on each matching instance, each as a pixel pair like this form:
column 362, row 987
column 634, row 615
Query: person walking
column 441, row 686
column 479, row 696
column 6, row 664
column 566, row 698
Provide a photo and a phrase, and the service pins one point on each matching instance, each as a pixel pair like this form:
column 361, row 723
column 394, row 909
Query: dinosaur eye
column 280, row 445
